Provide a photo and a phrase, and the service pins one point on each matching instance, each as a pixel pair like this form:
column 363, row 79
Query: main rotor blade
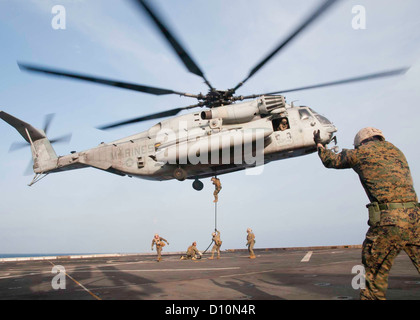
column 113, row 83
column 158, row 115
column 176, row 45
column 372, row 76
column 318, row 12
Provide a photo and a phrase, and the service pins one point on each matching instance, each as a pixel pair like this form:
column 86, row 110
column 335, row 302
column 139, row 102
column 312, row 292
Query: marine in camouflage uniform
column 192, row 252
column 250, row 241
column 217, row 188
column 160, row 243
column 394, row 214
column 217, row 244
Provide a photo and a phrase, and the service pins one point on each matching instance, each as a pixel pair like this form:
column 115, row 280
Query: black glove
column 317, row 137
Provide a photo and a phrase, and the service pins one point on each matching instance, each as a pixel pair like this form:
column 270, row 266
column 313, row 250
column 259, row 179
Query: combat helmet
column 367, row 133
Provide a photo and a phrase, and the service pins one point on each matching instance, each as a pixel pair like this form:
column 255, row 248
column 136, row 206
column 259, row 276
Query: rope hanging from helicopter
column 215, row 226
column 217, row 188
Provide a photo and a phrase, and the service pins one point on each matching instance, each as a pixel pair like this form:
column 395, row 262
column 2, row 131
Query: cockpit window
column 281, row 124
column 320, row 118
column 304, row 114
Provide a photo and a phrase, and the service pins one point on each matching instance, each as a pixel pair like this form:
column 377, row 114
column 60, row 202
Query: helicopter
column 233, row 132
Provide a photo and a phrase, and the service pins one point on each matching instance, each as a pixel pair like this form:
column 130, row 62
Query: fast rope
column 215, row 216
column 215, row 224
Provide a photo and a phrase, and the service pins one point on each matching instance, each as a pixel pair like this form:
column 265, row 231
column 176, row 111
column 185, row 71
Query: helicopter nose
column 329, row 133
column 331, row 129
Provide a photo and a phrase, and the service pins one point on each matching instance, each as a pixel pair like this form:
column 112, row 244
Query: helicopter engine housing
column 272, row 104
column 232, row 114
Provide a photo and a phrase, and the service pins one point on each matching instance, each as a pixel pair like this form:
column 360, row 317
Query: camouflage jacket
column 382, row 168
column 250, row 238
column 159, row 242
column 216, row 238
column 192, row 251
column 217, row 184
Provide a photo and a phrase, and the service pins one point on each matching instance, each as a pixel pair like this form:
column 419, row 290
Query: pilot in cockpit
column 284, row 125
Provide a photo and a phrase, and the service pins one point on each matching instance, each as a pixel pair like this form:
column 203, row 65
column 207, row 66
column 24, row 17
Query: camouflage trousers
column 216, row 248
column 216, row 194
column 251, row 249
column 159, row 252
column 398, row 229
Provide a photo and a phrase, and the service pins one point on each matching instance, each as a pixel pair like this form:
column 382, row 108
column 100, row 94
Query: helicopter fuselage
column 207, row 143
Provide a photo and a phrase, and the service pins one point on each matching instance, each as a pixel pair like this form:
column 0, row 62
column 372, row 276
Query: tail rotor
column 47, row 122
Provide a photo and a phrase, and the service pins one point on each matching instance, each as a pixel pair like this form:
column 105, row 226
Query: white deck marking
column 307, row 257
column 156, row 270
column 245, row 274
column 118, row 270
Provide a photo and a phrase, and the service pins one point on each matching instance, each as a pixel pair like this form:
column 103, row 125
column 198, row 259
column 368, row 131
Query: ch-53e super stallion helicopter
column 198, row 144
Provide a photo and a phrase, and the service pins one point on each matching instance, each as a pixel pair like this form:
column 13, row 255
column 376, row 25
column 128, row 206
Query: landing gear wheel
column 197, row 185
column 180, row 174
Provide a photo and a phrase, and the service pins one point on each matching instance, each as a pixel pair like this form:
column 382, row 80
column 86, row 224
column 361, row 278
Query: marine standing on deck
column 394, row 214
column 250, row 241
column 217, row 244
column 160, row 243
column 217, row 188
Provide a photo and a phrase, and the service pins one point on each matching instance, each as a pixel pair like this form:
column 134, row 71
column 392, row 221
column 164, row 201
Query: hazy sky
column 294, row 202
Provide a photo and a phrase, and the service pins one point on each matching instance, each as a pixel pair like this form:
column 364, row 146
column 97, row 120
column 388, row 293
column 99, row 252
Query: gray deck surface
column 273, row 275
